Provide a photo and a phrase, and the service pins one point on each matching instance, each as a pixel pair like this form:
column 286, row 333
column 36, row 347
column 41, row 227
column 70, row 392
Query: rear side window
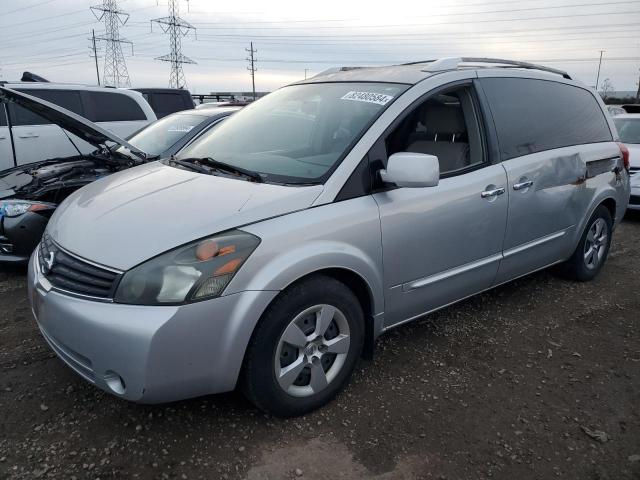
column 166, row 103
column 537, row 115
column 112, row 107
column 68, row 99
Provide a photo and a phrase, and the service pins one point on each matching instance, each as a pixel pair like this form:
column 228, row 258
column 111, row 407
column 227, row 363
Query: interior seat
column 445, row 137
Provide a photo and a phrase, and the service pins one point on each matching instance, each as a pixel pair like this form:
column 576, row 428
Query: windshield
column 629, row 129
column 297, row 134
column 165, row 133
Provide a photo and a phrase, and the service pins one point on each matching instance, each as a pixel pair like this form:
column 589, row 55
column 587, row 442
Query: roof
column 412, row 73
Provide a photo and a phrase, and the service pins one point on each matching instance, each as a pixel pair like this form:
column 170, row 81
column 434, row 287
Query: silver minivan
column 272, row 253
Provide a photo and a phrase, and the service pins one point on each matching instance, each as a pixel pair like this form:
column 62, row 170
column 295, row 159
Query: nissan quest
column 269, row 254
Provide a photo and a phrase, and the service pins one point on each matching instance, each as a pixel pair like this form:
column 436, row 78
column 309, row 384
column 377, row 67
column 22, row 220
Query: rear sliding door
column 548, row 133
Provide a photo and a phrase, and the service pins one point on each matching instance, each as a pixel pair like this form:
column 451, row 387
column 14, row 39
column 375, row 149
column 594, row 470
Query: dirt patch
column 504, row 385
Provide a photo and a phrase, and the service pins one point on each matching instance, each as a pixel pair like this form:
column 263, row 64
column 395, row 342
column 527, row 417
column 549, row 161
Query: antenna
column 177, row 28
column 115, row 69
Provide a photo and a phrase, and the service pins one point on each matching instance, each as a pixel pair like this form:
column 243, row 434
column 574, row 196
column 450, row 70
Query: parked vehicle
column 272, row 253
column 615, row 110
column 230, row 103
column 628, row 126
column 24, row 135
column 29, row 194
column 166, row 101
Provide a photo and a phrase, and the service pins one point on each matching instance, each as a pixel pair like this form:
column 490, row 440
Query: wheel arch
column 363, row 292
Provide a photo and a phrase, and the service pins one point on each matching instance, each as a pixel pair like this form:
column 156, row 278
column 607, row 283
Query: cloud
column 53, row 39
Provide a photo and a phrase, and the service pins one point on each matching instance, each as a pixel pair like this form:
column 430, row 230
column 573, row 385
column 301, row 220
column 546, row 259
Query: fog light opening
column 115, row 382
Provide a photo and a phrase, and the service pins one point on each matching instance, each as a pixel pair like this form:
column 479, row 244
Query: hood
column 126, row 218
column 71, row 122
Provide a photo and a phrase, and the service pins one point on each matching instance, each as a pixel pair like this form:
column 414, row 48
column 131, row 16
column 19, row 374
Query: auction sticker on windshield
column 369, row 97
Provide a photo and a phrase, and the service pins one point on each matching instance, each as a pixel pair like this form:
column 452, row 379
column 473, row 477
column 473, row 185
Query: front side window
column 446, row 126
column 297, row 134
column 537, row 115
column 166, row 132
column 628, row 129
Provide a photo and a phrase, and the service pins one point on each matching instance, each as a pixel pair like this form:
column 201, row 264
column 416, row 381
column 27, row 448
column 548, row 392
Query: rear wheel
column 305, row 347
column 593, row 248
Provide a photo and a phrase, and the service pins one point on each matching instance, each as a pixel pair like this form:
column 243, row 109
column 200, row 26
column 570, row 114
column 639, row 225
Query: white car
column 628, row 126
column 25, row 137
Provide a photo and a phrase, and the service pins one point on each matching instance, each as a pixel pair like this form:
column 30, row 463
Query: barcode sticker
column 369, row 97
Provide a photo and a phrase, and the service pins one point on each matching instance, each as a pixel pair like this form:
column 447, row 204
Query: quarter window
column 112, row 107
column 537, row 115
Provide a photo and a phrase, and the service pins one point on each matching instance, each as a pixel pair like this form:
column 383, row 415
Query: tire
column 584, row 266
column 288, row 353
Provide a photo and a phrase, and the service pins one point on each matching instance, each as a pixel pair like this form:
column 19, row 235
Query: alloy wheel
column 595, row 243
column 312, row 350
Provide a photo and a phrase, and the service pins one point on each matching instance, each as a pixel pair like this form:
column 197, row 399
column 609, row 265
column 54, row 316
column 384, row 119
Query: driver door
column 442, row 243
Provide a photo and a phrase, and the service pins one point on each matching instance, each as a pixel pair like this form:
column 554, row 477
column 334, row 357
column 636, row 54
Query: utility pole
column 305, row 73
column 252, row 68
column 115, row 68
column 599, row 65
column 638, row 92
column 177, row 28
column 95, row 53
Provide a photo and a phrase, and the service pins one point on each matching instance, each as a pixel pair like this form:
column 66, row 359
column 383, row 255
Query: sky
column 298, row 38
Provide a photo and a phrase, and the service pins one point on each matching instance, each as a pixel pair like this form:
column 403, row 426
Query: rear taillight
column 624, row 151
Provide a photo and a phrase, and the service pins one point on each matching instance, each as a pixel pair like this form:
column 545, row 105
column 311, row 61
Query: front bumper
column 19, row 236
column 149, row 354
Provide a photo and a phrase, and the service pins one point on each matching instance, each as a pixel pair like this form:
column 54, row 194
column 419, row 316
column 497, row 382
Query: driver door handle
column 492, row 193
column 28, row 135
column 522, row 185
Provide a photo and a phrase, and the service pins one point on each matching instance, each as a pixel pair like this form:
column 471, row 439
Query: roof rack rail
column 453, row 63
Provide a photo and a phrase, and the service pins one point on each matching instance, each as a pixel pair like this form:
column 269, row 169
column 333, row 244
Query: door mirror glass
column 412, row 170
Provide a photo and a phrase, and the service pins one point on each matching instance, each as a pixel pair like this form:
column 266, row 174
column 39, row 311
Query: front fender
column 344, row 235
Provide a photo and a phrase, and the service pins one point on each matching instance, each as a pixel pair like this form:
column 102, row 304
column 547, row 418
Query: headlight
column 15, row 208
column 193, row 272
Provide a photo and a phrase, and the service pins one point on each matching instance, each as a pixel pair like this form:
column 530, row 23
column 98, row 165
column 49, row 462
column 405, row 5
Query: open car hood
column 71, row 122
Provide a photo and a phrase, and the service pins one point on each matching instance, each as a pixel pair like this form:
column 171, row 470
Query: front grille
column 634, row 200
column 74, row 275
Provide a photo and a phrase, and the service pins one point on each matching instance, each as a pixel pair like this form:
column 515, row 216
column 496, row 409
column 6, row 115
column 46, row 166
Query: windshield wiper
column 191, row 166
column 225, row 167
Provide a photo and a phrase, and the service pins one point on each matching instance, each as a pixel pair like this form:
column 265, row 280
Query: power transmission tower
column 115, row 69
column 177, row 28
column 252, row 68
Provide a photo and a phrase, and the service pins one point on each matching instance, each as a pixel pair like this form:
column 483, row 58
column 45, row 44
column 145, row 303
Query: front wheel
column 593, row 248
column 305, row 347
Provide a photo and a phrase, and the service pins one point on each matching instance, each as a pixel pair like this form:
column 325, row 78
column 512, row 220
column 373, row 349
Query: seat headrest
column 444, row 119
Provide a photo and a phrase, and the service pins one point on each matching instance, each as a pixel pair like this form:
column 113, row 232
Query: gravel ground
column 536, row 379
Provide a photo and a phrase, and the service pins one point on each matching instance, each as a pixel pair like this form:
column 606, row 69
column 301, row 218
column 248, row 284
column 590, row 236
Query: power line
column 228, row 26
column 115, row 67
column 177, row 28
column 28, row 7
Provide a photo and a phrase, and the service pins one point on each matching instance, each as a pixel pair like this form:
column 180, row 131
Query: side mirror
column 412, row 170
